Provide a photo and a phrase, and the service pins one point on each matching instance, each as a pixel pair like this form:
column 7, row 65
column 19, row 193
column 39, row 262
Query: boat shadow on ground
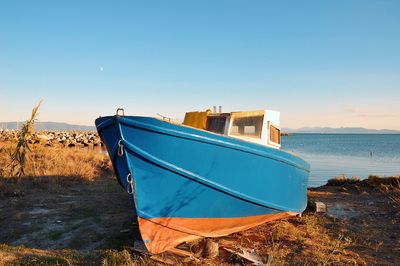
column 58, row 212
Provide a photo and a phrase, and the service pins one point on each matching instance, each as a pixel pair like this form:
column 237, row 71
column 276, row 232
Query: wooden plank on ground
column 183, row 253
column 162, row 259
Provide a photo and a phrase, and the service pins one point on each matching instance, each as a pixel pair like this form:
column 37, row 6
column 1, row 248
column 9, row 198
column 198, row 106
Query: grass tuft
column 54, row 235
column 50, row 260
column 116, row 258
column 383, row 184
column 342, row 180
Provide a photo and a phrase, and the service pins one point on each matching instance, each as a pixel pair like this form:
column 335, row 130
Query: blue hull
column 180, row 172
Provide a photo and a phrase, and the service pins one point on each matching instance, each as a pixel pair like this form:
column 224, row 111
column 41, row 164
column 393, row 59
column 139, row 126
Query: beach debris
column 163, row 259
column 207, row 248
column 320, row 207
column 250, row 256
column 229, row 243
column 169, row 257
column 189, row 256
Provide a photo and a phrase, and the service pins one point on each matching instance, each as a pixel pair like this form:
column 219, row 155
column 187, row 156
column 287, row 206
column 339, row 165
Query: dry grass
column 20, row 255
column 83, row 164
column 302, row 241
column 381, row 184
column 78, row 163
column 396, row 201
column 51, row 167
column 20, row 159
column 342, row 180
column 396, row 197
column 123, row 258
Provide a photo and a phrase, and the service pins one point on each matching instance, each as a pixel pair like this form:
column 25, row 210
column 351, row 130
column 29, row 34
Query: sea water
column 332, row 155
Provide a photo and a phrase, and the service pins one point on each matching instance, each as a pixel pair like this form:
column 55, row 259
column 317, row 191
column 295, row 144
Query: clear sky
column 320, row 63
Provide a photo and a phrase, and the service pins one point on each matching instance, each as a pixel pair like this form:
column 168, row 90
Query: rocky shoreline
column 54, row 138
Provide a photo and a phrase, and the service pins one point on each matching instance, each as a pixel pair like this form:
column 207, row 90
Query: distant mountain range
column 56, row 126
column 341, row 130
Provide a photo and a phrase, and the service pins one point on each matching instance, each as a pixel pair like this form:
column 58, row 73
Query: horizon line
column 286, row 128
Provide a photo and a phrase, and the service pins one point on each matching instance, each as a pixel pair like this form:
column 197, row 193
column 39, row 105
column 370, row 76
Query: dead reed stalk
column 18, row 156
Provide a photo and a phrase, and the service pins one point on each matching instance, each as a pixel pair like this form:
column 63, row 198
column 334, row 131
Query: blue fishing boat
column 215, row 174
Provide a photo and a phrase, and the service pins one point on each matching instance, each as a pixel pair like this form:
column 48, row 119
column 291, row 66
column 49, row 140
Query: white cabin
column 260, row 126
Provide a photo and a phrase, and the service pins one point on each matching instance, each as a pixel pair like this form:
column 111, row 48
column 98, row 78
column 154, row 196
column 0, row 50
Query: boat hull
column 189, row 183
column 166, row 233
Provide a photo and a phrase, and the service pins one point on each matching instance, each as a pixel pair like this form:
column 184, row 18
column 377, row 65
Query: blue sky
column 321, row 63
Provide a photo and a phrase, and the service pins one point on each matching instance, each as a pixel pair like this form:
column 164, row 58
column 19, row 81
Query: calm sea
column 358, row 155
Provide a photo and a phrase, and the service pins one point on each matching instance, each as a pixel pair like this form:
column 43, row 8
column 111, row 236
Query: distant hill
column 56, row 126
column 341, row 130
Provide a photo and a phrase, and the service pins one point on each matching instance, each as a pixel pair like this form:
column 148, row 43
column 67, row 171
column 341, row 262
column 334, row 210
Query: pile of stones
column 52, row 138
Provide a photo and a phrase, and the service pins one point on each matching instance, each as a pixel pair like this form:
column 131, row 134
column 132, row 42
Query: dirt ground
column 78, row 215
column 81, row 215
column 90, row 222
column 368, row 212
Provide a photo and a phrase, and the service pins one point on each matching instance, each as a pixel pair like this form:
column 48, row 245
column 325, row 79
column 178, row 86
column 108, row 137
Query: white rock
column 320, row 206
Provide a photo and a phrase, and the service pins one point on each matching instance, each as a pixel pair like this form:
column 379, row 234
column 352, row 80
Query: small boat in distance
column 213, row 175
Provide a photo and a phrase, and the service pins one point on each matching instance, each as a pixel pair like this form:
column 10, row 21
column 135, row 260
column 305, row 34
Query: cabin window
column 274, row 134
column 216, row 124
column 249, row 126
